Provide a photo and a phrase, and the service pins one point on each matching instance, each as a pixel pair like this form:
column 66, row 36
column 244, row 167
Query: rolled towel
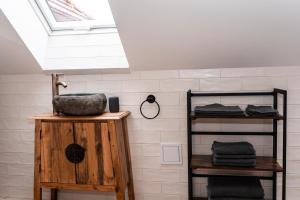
column 222, row 156
column 235, row 162
column 233, row 148
column 238, row 187
column 261, row 111
column 218, row 109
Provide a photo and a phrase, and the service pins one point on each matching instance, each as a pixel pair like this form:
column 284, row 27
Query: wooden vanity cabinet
column 105, row 165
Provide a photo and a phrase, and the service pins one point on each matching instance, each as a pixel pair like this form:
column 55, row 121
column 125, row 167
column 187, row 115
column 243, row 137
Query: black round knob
column 75, row 153
column 151, row 98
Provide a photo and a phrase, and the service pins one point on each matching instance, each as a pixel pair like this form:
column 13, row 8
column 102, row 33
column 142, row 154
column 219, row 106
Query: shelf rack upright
column 264, row 164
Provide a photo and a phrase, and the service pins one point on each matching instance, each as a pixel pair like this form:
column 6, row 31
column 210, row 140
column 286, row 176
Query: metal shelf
column 196, row 116
column 197, row 163
column 230, row 133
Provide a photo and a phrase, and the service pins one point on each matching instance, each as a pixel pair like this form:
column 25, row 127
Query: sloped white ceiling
column 14, row 55
column 169, row 34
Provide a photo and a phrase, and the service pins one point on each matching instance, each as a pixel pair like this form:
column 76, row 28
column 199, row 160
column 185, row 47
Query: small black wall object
column 114, row 104
column 150, row 99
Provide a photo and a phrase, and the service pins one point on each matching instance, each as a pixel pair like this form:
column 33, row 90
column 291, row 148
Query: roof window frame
column 71, row 27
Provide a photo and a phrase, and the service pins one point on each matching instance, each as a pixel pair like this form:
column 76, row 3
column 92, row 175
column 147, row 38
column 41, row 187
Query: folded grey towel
column 218, row 109
column 235, row 162
column 238, row 187
column 261, row 111
column 222, row 156
column 233, row 148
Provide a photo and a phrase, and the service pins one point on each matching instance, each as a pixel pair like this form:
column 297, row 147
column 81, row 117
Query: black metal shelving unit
column 197, row 163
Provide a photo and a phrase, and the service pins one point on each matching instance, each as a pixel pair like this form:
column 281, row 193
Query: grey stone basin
column 81, row 104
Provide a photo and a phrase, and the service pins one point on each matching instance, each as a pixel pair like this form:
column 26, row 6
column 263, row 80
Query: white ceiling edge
column 15, row 57
column 90, row 71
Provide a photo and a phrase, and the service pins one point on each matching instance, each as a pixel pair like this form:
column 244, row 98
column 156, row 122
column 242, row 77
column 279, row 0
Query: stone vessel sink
column 81, row 104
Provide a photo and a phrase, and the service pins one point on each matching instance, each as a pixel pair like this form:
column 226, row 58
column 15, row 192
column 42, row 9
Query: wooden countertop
column 104, row 116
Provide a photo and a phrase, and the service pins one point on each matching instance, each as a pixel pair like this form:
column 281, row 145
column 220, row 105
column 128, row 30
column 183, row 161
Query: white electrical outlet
column 171, row 154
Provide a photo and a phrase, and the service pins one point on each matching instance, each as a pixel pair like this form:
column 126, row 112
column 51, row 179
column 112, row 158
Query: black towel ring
column 150, row 99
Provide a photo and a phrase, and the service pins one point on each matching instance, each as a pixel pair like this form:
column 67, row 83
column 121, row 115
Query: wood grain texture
column 37, row 191
column 104, row 116
column 117, row 161
column 55, row 167
column 129, row 164
column 99, row 188
column 122, row 150
column 121, row 194
column 106, row 166
column 108, row 171
column 90, row 170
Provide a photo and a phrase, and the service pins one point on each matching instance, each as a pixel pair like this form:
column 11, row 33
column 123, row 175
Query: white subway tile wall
column 23, row 96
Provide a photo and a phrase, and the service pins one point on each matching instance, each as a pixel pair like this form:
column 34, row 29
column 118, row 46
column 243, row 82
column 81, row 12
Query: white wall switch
column 171, row 154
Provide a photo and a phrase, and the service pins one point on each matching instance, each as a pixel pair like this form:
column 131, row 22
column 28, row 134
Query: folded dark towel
column 240, row 187
column 233, row 148
column 234, row 198
column 222, row 156
column 218, row 109
column 235, row 162
column 261, row 111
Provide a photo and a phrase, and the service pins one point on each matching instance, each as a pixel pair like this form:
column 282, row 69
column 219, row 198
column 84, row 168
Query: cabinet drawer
column 96, row 167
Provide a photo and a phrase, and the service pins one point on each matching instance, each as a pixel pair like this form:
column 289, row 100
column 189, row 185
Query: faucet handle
column 58, row 74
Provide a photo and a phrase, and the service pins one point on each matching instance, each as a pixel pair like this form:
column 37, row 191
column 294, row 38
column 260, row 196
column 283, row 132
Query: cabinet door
column 55, row 168
column 96, row 167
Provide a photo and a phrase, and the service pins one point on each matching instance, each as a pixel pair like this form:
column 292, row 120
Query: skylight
column 62, row 15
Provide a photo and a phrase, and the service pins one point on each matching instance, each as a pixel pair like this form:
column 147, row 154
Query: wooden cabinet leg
column 37, row 190
column 121, row 195
column 37, row 193
column 53, row 194
column 131, row 191
column 129, row 165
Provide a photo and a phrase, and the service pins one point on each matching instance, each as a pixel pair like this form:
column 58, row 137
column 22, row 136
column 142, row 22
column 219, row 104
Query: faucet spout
column 62, row 84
